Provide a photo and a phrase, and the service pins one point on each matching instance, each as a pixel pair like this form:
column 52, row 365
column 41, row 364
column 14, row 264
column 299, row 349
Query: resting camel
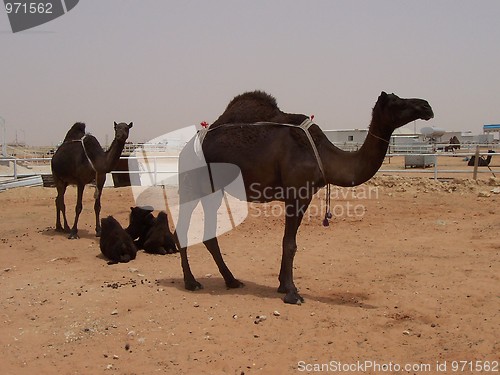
column 278, row 158
column 141, row 220
column 159, row 239
column 150, row 233
column 79, row 162
column 115, row 243
column 481, row 161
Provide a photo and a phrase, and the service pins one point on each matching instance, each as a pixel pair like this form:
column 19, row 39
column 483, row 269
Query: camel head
column 121, row 131
column 392, row 112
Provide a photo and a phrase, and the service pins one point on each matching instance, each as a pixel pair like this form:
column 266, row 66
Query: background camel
column 482, row 161
column 150, row 233
column 115, row 243
column 454, row 144
column 79, row 162
column 276, row 158
column 141, row 220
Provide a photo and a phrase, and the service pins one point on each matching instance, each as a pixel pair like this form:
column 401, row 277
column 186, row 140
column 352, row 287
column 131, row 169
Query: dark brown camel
column 454, row 144
column 150, row 233
column 115, row 243
column 276, row 158
column 79, row 162
column 481, row 161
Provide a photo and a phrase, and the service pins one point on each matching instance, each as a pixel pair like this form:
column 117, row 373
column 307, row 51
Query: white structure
column 402, row 140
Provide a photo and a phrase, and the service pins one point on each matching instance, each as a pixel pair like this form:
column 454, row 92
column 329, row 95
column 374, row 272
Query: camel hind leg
column 210, row 206
column 181, row 232
column 60, row 206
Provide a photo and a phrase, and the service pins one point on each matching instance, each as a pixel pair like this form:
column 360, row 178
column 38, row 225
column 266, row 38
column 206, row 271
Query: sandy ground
column 409, row 276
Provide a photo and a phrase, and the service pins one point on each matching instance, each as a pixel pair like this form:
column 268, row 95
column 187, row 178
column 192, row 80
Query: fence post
column 435, row 167
column 155, row 171
column 15, row 168
column 476, row 163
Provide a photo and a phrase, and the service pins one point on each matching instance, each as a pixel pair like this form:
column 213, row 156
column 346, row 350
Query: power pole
column 4, row 142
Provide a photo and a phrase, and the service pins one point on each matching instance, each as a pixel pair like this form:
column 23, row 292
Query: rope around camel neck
column 376, row 136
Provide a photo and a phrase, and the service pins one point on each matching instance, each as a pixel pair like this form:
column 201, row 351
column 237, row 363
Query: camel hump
column 77, row 131
column 255, row 96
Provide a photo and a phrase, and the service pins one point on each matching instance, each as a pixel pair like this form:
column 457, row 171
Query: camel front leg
column 294, row 211
column 100, row 180
column 74, row 231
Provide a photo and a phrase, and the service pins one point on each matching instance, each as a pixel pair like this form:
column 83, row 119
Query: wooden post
column 476, row 163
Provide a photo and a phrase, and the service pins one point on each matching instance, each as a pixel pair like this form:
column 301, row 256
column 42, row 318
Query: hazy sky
column 169, row 64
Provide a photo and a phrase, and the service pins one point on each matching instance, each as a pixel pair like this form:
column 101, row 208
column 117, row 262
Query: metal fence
column 160, row 167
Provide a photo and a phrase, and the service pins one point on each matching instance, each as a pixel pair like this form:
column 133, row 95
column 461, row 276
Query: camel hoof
column 161, row 251
column 73, row 236
column 293, row 298
column 235, row 284
column 192, row 285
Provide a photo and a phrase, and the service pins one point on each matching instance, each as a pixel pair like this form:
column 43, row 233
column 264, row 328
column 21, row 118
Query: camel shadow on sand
column 215, row 286
column 82, row 233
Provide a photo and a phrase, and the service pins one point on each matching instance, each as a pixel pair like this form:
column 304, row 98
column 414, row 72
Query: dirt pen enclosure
column 405, row 280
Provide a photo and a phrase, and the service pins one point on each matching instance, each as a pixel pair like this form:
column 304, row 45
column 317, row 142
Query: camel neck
column 113, row 153
column 344, row 168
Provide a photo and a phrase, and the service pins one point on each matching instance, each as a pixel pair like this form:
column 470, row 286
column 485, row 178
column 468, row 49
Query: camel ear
column 130, row 125
column 115, row 124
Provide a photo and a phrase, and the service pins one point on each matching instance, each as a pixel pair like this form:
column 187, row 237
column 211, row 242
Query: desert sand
column 407, row 279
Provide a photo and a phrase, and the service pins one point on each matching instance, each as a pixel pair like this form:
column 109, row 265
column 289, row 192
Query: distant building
column 405, row 139
column 402, row 139
column 346, row 136
column 491, row 130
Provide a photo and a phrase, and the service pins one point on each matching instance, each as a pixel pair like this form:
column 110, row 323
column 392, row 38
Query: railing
column 435, row 169
column 156, row 169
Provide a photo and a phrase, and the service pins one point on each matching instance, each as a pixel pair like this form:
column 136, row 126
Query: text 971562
column 28, row 8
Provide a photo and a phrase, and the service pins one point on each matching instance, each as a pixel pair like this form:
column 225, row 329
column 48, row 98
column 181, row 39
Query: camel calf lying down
column 150, row 233
column 115, row 243
column 141, row 220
